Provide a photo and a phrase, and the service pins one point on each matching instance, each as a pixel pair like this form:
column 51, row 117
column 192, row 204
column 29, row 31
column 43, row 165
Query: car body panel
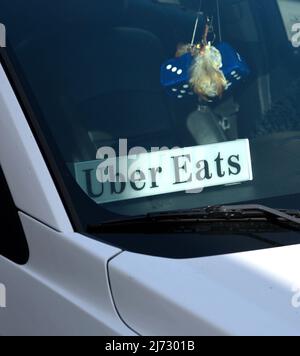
column 25, row 169
column 63, row 290
column 241, row 294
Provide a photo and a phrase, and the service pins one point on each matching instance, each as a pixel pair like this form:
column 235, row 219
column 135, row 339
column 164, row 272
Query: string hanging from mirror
column 206, row 77
column 204, row 68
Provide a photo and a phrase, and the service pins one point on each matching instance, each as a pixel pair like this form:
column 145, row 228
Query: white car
column 105, row 233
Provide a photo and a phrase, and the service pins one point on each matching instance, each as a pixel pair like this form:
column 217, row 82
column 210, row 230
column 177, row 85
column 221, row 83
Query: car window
column 108, row 77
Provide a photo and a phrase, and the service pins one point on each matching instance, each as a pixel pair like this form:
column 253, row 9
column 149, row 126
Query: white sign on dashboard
column 165, row 172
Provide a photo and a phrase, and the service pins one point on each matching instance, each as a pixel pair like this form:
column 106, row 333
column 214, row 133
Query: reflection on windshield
column 220, row 83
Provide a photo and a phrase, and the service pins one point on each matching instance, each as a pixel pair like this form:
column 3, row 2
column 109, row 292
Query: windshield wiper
column 292, row 216
column 239, row 217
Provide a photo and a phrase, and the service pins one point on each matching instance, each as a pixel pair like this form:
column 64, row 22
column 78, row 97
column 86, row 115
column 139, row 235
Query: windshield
column 206, row 92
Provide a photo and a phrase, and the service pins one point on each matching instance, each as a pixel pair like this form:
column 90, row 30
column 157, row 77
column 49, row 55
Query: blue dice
column 175, row 73
column 234, row 67
column 175, row 76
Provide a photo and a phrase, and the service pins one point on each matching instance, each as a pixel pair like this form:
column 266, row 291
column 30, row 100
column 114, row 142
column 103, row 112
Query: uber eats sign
column 111, row 178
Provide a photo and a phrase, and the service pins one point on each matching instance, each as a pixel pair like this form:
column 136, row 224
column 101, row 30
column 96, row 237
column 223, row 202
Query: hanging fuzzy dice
column 175, row 76
column 204, row 70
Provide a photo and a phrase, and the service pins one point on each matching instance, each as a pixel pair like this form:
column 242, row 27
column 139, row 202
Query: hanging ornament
column 202, row 68
column 206, row 77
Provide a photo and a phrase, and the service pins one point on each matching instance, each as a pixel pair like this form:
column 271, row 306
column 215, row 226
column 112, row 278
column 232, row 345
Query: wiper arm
column 286, row 215
column 185, row 219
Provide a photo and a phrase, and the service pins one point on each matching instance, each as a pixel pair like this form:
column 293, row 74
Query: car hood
column 253, row 293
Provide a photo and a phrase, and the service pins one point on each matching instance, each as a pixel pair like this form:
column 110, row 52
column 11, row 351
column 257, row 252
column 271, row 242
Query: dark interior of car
column 121, row 45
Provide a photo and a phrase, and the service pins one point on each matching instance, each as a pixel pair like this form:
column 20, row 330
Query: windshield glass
column 219, row 81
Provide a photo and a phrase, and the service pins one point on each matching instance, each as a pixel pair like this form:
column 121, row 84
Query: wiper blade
column 212, row 217
column 292, row 216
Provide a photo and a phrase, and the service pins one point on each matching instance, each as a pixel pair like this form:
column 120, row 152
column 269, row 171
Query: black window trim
column 17, row 249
